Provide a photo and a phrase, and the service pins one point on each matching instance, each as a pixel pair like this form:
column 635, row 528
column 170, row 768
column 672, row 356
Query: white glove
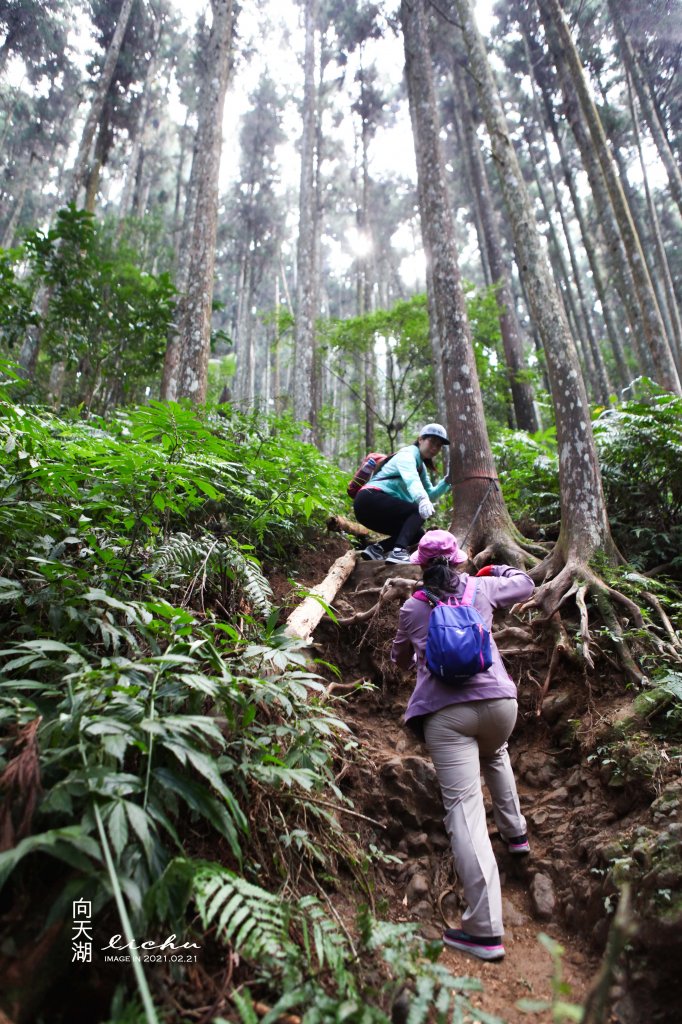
column 426, row 508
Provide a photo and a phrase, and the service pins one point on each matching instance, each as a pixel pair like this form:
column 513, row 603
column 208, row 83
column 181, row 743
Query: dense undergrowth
column 165, row 757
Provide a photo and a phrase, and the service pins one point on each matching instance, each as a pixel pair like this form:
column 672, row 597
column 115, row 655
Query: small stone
column 543, row 897
column 422, row 910
column 417, row 842
column 450, row 909
column 439, row 840
column 417, row 888
column 512, row 917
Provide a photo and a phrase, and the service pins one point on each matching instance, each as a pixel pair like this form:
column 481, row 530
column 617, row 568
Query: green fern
column 252, row 919
column 199, row 560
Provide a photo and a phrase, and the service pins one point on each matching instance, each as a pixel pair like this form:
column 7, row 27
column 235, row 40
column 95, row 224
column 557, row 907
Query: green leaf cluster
column 95, row 308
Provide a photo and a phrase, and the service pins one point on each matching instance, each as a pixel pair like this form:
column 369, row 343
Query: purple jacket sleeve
column 506, row 586
column 402, row 651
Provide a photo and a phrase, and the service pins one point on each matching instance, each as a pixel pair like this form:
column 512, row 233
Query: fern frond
column 252, row 919
column 204, row 558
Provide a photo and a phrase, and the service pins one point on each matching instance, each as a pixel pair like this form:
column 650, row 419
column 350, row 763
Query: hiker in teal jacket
column 399, row 497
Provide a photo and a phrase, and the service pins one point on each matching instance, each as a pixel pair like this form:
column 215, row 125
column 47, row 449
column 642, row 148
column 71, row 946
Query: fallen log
column 305, row 616
column 339, row 524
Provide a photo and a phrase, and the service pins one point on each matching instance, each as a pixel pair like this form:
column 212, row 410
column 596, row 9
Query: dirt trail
column 395, row 785
column 528, row 971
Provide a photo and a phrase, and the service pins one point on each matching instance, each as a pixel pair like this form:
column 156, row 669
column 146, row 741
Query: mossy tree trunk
column 584, row 525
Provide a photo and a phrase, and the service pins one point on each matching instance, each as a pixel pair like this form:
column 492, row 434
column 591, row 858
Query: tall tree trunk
column 11, row 225
column 669, row 299
column 647, row 104
column 304, row 338
column 657, row 340
column 512, row 339
column 602, row 384
column 584, row 522
column 195, row 324
column 620, row 271
column 535, row 60
column 472, row 467
column 134, row 159
column 94, row 174
column 80, row 168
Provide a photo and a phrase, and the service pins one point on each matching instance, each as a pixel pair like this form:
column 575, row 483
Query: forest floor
column 573, row 818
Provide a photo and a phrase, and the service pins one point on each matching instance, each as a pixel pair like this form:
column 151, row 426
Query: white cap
column 434, row 430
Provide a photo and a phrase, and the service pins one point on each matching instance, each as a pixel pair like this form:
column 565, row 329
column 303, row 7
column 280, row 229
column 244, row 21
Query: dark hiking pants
column 383, row 513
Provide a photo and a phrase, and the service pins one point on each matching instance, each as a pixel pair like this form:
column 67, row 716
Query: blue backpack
column 458, row 641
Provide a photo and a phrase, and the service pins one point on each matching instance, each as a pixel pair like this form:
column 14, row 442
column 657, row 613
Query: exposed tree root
column 394, row 589
column 575, row 579
column 623, row 928
column 675, row 639
column 506, row 550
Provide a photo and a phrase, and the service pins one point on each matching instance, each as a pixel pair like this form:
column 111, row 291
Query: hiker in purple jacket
column 466, row 728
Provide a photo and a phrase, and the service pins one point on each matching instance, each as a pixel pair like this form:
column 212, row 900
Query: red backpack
column 370, row 465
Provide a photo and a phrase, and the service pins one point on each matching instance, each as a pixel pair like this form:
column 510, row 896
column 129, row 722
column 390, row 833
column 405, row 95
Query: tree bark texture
column 653, row 324
column 668, row 300
column 584, row 523
column 512, row 339
column 535, row 58
column 471, row 460
column 195, row 325
column 304, row 336
column 602, row 383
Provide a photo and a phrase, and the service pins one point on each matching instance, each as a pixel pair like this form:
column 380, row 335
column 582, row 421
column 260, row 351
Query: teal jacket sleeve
column 441, row 487
column 405, row 477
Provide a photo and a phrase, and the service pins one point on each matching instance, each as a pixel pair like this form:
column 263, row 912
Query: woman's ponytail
column 439, row 576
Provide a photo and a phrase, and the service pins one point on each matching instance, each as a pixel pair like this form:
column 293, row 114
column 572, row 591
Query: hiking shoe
column 519, row 844
column 373, row 553
column 398, row 555
column 485, row 948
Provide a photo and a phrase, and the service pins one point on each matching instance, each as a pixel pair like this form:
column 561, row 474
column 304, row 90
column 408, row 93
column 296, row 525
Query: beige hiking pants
column 463, row 740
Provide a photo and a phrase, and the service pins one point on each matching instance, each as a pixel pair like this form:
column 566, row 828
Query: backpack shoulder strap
column 469, row 594
column 431, row 598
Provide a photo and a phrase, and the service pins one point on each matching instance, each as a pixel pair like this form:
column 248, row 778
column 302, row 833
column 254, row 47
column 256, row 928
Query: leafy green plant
column 105, row 319
column 640, row 453
column 315, row 965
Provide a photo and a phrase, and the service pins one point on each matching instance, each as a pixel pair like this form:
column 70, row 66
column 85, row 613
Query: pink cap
column 435, row 544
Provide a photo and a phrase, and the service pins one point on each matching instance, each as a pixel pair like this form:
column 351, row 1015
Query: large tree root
column 396, row 588
column 575, row 579
column 509, row 547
